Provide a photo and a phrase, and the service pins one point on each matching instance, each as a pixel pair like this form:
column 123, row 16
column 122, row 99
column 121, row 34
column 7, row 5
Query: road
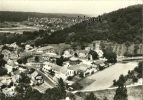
column 46, row 78
column 104, row 79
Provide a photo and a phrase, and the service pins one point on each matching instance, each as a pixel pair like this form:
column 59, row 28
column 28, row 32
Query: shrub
column 81, row 74
column 76, row 86
column 135, row 79
column 92, row 72
column 3, row 71
column 114, row 82
column 139, row 75
column 69, row 78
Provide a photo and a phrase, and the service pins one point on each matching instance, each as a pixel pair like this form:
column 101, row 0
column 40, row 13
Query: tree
column 75, row 54
column 121, row 80
column 59, row 61
column 37, row 59
column 2, row 61
column 24, row 78
column 54, row 94
column 136, row 47
column 61, row 84
column 121, row 93
column 19, row 61
column 71, row 96
column 110, row 55
column 94, row 54
column 127, row 44
column 2, row 96
column 3, row 71
column 91, row 96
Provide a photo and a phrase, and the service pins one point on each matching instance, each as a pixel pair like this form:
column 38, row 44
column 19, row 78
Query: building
column 50, row 57
column 46, row 49
column 82, row 69
column 74, row 61
column 67, row 54
column 36, row 79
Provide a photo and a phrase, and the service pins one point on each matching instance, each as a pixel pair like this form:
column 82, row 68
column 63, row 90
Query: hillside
column 22, row 16
column 118, row 26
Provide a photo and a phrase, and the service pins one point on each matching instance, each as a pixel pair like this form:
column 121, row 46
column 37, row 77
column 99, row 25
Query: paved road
column 46, row 78
column 104, row 79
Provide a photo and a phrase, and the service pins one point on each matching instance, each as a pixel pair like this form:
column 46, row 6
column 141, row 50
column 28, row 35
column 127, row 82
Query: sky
column 89, row 7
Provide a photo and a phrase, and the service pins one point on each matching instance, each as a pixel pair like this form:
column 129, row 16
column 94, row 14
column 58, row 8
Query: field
column 104, row 79
column 18, row 29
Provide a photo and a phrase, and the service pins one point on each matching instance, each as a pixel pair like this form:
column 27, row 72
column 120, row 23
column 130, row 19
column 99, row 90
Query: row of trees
column 115, row 26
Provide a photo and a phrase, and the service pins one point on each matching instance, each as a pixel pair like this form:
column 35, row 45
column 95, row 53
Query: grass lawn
column 86, row 82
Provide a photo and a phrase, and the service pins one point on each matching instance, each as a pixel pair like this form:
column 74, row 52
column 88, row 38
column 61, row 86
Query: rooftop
column 79, row 67
column 45, row 48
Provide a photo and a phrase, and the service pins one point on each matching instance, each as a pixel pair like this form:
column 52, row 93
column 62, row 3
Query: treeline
column 119, row 26
column 22, row 16
column 8, row 38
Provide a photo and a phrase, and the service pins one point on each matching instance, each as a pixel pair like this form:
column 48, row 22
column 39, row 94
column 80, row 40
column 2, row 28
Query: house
column 62, row 72
column 67, row 54
column 9, row 68
column 36, row 78
column 13, row 45
column 46, row 49
column 50, row 57
column 100, row 53
column 99, row 64
column 28, row 47
column 47, row 66
column 83, row 69
column 9, row 92
column 82, row 53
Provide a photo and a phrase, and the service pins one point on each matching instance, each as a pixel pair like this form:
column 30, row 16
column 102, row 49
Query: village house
column 67, row 54
column 14, row 46
column 28, row 47
column 46, row 49
column 99, row 64
column 9, row 92
column 50, row 57
column 82, row 53
column 36, row 79
column 82, row 69
column 60, row 72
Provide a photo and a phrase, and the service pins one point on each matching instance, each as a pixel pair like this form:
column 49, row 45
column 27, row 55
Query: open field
column 18, row 29
column 104, row 79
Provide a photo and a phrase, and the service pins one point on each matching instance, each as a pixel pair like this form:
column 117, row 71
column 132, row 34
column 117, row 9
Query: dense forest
column 118, row 26
column 22, row 16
